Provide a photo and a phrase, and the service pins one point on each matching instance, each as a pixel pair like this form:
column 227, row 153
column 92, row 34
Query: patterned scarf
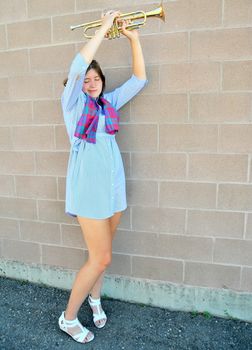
column 88, row 122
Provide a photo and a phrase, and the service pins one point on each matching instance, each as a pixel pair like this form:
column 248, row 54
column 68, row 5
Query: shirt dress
column 95, row 182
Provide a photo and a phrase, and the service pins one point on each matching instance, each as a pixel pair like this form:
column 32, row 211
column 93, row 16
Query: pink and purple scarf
column 88, row 122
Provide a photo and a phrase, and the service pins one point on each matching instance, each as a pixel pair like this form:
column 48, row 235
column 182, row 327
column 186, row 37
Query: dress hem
column 92, row 217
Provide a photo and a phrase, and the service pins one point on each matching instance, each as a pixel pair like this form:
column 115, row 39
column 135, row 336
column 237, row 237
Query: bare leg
column 114, row 222
column 98, row 240
column 96, row 290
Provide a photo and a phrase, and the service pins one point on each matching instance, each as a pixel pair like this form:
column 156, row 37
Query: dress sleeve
column 124, row 93
column 74, row 84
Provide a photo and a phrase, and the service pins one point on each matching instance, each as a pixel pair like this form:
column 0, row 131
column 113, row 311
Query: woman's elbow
column 140, row 75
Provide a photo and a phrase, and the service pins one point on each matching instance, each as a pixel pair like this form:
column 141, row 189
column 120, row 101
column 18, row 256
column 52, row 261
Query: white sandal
column 97, row 316
column 66, row 324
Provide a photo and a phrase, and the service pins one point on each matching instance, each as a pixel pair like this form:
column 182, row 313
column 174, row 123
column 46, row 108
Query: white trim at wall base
column 218, row 302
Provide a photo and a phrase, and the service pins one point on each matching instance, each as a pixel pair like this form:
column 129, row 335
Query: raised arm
column 82, row 60
column 138, row 65
column 124, row 93
column 89, row 50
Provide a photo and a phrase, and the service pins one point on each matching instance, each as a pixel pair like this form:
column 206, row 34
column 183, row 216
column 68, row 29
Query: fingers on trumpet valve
column 122, row 23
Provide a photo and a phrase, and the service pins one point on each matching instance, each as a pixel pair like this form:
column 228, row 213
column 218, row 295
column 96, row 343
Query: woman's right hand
column 108, row 18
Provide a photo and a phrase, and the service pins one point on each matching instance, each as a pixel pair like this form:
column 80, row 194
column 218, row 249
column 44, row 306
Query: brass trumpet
column 116, row 29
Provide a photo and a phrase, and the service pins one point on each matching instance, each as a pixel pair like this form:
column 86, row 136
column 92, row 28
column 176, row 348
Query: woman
column 95, row 186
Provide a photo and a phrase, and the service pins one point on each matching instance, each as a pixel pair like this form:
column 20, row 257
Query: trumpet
column 131, row 17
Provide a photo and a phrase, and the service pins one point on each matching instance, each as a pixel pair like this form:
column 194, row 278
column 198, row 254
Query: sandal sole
column 88, row 341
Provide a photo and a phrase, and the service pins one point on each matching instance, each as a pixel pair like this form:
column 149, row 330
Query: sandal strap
column 94, row 302
column 72, row 323
column 68, row 323
column 82, row 335
column 98, row 317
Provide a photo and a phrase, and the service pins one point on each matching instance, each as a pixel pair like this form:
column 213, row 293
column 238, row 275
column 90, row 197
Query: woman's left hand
column 130, row 34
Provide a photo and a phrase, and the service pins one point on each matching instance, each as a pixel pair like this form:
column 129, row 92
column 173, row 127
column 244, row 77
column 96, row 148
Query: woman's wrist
column 134, row 40
column 103, row 30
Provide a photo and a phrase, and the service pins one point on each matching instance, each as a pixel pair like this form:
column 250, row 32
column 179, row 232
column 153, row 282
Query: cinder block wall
column 186, row 140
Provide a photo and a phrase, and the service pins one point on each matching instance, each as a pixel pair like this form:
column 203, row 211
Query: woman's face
column 92, row 83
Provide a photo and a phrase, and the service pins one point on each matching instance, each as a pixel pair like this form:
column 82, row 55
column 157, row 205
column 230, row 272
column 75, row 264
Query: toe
column 101, row 322
column 88, row 337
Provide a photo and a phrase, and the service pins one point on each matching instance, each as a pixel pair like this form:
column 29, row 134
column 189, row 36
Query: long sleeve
column 124, row 93
column 74, row 84
column 73, row 98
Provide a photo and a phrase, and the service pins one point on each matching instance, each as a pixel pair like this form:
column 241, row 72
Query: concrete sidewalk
column 29, row 321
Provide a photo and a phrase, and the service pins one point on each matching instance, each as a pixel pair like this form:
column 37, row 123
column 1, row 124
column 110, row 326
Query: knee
column 103, row 261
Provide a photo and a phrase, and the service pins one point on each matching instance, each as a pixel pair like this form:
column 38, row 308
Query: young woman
column 95, row 185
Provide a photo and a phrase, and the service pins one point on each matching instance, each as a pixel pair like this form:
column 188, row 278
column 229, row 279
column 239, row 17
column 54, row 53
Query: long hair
column 94, row 65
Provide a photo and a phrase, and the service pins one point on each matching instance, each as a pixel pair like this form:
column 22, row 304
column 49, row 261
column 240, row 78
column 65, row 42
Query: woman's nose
column 92, row 84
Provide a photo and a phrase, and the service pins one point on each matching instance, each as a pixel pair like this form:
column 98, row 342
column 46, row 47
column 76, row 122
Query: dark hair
column 94, row 65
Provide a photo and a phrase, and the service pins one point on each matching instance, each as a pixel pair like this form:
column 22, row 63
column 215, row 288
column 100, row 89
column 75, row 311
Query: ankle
column 69, row 317
column 95, row 297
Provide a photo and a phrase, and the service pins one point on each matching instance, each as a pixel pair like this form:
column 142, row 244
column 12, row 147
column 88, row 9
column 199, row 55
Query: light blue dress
column 95, row 183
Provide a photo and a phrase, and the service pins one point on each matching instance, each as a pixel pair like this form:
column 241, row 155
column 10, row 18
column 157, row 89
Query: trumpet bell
column 158, row 12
